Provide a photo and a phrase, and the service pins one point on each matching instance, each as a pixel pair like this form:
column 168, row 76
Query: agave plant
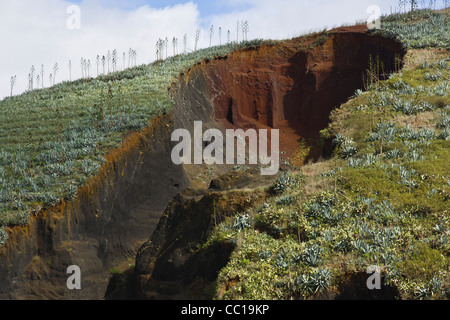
column 211, row 34
column 265, row 254
column 312, row 255
column 13, row 83
column 320, row 206
column 285, row 200
column 284, row 181
column 330, row 173
column 358, row 92
column 55, row 70
column 347, row 149
column 425, row 65
column 197, row 38
column 363, row 247
column 445, row 134
column 328, row 235
column 319, row 280
column 429, row 289
column 393, row 154
column 245, row 30
column 282, row 260
column 355, row 162
column 3, row 235
column 444, row 122
column 414, row 156
column 368, row 159
column 345, row 145
column 343, row 245
column 384, row 133
column 50, row 199
column 409, row 108
column 406, row 177
column 432, row 77
column 38, row 168
column 89, row 167
column 417, row 30
column 426, row 134
column 242, row 222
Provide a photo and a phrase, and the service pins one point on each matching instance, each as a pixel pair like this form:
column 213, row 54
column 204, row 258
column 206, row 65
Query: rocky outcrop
column 104, row 224
column 291, row 85
column 176, row 263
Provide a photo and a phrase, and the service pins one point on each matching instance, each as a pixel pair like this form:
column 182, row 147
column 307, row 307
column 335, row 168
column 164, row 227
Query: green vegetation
column 386, row 194
column 54, row 139
column 418, row 29
column 321, row 39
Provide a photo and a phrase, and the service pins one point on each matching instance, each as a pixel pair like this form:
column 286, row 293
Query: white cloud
column 37, row 34
column 283, row 19
column 34, row 32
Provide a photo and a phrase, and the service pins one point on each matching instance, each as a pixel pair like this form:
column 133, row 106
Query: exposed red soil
column 362, row 28
column 292, row 85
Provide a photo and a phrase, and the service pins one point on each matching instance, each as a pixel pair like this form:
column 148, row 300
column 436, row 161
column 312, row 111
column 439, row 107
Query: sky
column 45, row 32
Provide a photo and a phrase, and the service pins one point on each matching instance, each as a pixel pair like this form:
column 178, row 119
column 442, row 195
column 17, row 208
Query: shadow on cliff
column 326, row 75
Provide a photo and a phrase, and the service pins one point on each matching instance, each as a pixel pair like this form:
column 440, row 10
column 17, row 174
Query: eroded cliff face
column 176, row 263
column 291, row 86
column 105, row 224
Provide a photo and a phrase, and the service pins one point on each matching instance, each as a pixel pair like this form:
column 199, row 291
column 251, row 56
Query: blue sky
column 206, row 7
column 35, row 32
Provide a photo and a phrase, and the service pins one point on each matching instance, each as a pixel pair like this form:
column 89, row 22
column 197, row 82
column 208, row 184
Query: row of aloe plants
column 54, row 139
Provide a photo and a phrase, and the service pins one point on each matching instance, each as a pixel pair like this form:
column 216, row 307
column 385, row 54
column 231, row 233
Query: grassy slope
column 52, row 140
column 381, row 200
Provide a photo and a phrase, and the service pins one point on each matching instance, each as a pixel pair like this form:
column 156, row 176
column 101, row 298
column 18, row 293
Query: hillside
column 375, row 195
column 364, row 120
column 54, row 139
column 381, row 199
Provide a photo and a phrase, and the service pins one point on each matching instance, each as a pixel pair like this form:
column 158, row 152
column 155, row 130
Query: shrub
column 423, row 263
column 285, row 200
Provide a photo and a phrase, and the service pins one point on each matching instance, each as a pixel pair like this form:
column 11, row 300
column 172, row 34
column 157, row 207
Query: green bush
column 423, row 263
